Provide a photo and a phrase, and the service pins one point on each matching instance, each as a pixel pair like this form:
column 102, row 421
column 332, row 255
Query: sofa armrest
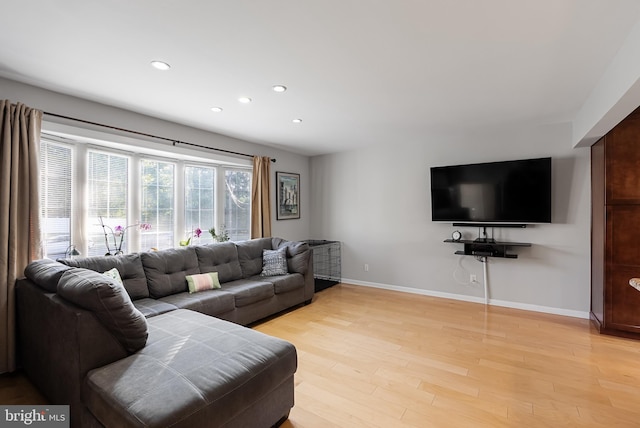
column 59, row 343
column 298, row 254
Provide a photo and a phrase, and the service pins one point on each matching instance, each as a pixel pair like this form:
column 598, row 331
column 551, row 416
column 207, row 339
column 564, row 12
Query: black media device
column 516, row 191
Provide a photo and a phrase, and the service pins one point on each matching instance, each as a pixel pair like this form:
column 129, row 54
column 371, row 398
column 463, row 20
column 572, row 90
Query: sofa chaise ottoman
column 196, row 371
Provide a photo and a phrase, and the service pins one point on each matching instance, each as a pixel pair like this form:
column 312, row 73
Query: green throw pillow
column 115, row 275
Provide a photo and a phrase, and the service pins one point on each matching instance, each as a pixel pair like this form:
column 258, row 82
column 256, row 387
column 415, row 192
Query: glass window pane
column 55, row 198
column 199, row 203
column 237, row 204
column 157, row 187
column 107, row 186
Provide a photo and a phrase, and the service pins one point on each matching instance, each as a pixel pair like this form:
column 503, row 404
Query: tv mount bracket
column 483, row 236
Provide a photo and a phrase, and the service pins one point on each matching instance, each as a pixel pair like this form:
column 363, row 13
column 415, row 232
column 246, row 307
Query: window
column 87, row 183
column 107, row 183
column 157, row 180
column 237, row 204
column 55, row 197
column 199, row 201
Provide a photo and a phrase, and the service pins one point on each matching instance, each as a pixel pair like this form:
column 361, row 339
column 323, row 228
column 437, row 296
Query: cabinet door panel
column 623, row 301
column 623, row 231
column 623, row 160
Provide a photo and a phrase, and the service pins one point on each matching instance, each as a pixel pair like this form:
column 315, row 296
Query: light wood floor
column 376, row 358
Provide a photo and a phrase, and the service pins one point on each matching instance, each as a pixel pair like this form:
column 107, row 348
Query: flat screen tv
column 516, row 191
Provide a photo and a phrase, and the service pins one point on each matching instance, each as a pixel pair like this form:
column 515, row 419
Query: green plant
column 223, row 236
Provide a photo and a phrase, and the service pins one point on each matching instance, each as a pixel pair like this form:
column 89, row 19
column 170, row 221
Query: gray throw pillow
column 274, row 262
column 110, row 303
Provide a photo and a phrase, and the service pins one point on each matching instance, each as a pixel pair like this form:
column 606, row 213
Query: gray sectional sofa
column 145, row 352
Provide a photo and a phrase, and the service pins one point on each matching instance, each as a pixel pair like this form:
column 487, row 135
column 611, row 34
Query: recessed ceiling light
column 244, row 100
column 297, row 120
column 216, row 109
column 279, row 88
column 160, row 65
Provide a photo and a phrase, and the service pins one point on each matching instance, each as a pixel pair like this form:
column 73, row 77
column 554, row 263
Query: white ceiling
column 359, row 72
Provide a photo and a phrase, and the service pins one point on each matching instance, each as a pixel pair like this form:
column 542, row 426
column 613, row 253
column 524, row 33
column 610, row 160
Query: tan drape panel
column 261, row 197
column 19, row 216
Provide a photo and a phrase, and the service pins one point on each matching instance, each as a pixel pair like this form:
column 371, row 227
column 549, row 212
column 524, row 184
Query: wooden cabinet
column 615, row 229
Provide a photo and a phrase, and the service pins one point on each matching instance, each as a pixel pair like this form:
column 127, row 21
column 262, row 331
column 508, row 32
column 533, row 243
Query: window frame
column 81, row 141
column 128, row 209
column 176, row 203
column 72, row 160
column 216, row 191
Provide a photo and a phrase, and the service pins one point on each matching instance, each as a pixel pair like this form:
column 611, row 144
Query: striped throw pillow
column 203, row 281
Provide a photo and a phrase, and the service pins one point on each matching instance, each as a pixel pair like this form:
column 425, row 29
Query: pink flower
column 118, row 234
column 197, row 232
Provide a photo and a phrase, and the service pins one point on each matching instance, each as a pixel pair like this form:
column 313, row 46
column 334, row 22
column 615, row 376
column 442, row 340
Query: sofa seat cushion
column 152, row 307
column 247, row 291
column 284, row 283
column 210, row 302
column 196, row 370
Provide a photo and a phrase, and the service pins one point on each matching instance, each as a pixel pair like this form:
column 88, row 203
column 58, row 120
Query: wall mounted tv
column 516, row 191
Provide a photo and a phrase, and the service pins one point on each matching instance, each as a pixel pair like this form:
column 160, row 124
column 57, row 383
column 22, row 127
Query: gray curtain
column 261, row 197
column 19, row 213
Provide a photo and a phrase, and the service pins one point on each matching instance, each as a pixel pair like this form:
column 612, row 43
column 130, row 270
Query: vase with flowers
column 194, row 234
column 117, row 236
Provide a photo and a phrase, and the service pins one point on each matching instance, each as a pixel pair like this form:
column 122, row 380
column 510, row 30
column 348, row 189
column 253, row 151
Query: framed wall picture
column 287, row 195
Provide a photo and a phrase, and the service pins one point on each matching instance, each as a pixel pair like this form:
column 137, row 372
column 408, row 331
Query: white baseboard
column 462, row 297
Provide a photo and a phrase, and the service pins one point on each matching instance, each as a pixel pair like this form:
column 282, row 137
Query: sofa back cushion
column 298, row 254
column 109, row 302
column 129, row 266
column 250, row 255
column 45, row 273
column 166, row 270
column 221, row 258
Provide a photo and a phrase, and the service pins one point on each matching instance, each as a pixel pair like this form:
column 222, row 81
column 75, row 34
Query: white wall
column 377, row 202
column 57, row 103
column 615, row 96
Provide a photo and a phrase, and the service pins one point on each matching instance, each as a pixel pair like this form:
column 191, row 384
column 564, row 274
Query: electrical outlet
column 473, row 278
column 366, row 267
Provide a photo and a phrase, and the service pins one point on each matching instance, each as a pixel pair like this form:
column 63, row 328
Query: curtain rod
column 174, row 142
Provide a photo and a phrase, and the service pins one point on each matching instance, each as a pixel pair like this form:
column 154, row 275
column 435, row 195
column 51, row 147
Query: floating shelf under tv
column 513, row 225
